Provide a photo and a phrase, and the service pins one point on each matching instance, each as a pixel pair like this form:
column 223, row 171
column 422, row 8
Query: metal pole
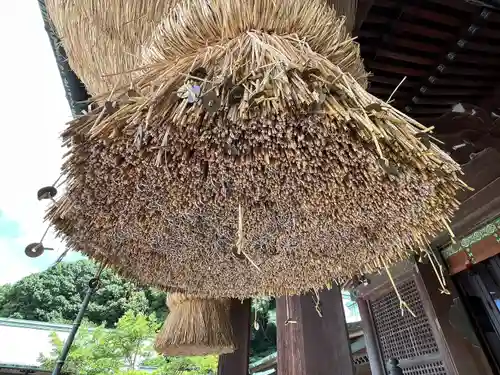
column 93, row 283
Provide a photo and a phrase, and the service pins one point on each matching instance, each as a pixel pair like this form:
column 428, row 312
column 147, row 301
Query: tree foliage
column 4, row 291
column 205, row 365
column 55, row 295
column 123, row 350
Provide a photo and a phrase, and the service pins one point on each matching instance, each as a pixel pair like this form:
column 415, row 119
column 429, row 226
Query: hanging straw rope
column 436, row 264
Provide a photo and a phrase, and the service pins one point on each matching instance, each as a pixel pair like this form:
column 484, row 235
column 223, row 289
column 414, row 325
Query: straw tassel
column 195, row 326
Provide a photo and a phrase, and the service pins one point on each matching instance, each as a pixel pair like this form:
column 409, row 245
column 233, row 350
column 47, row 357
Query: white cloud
column 13, row 266
column 34, row 111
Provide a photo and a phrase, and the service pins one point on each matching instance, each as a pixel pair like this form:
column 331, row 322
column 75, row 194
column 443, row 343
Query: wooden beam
column 491, row 101
column 309, row 343
column 237, row 363
column 481, row 205
column 364, row 7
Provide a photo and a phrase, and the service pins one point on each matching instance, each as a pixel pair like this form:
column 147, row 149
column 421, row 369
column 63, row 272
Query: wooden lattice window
column 360, row 359
column 407, row 338
column 435, row 368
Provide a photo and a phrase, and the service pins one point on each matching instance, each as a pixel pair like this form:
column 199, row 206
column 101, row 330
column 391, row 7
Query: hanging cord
column 255, row 321
column 45, row 234
column 239, row 241
column 395, row 90
column 439, row 274
column 49, row 192
column 288, row 319
column 61, row 257
column 94, row 282
column 317, row 303
column 450, row 231
column 56, row 181
column 402, row 304
column 37, row 248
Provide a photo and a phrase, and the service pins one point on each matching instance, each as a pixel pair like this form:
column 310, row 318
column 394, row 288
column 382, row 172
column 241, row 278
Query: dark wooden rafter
column 437, row 45
column 428, row 15
column 461, row 5
column 492, row 103
column 362, row 11
column 397, row 41
column 451, row 66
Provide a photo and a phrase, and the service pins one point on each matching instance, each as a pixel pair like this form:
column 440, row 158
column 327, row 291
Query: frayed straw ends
column 195, row 326
column 103, row 38
column 331, row 181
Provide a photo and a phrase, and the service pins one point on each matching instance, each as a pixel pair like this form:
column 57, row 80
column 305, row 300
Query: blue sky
column 34, row 111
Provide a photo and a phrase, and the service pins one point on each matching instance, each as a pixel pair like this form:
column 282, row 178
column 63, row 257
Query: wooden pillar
column 460, row 355
column 310, row 344
column 372, row 347
column 237, row 363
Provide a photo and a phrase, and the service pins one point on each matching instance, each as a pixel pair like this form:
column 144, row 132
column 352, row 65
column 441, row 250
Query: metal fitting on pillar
column 394, row 368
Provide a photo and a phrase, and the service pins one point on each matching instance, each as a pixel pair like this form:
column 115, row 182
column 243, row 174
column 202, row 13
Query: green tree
column 133, row 337
column 121, row 351
column 205, row 365
column 99, row 350
column 4, row 291
column 55, row 295
column 90, row 354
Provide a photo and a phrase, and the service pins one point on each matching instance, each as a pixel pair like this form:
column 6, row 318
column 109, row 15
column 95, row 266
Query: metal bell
column 211, row 102
column 34, row 250
column 47, row 192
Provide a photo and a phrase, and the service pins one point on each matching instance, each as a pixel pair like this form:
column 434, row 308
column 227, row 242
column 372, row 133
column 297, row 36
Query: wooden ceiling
column 449, row 50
